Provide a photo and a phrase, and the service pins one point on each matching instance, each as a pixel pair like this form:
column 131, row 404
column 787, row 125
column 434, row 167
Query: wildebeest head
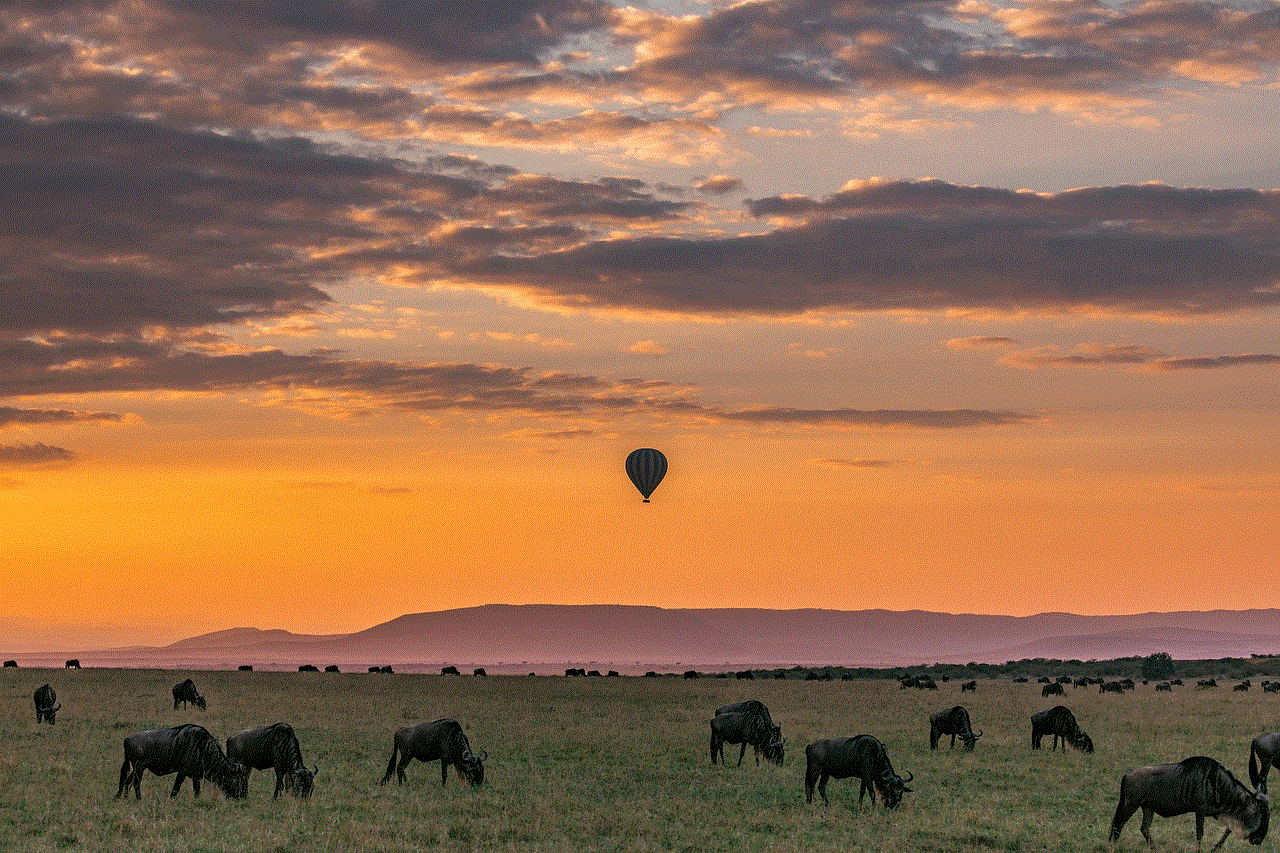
column 200, row 703
column 234, row 780
column 774, row 750
column 300, row 781
column 471, row 768
column 1082, row 742
column 1252, row 821
column 892, row 786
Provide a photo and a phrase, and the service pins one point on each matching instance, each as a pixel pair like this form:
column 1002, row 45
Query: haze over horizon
column 312, row 316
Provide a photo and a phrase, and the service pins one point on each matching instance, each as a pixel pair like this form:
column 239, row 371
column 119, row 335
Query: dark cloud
column 1083, row 356
column 10, row 416
column 855, row 463
column 34, row 454
column 1215, row 362
column 719, row 185
column 921, row 419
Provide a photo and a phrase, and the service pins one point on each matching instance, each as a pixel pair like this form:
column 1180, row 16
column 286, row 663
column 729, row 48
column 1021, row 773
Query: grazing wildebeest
column 1044, row 679
column 74, row 663
column 969, row 685
column 1197, row 784
column 862, row 756
column 1164, row 685
column 449, row 670
column 440, row 740
column 333, row 667
column 746, row 723
column 45, row 697
column 573, row 671
column 613, row 673
column 1021, row 679
column 924, row 682
column 1110, row 687
column 1242, row 686
column 1051, row 689
column 308, row 667
column 386, row 669
column 1080, row 682
column 595, row 673
column 745, row 674
column 1207, row 682
column 479, row 671
column 1264, row 753
column 11, row 663
column 1063, row 679
column 691, row 673
column 188, row 750
column 952, row 721
column 245, row 667
column 184, row 692
column 907, row 681
column 1176, row 681
column 1126, row 684
column 1061, row 723
column 1271, row 686
column 274, row 746
column 375, row 669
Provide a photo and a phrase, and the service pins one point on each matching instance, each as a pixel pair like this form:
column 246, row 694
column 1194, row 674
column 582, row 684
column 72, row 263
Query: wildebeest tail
column 1255, row 774
column 391, row 764
column 1121, row 815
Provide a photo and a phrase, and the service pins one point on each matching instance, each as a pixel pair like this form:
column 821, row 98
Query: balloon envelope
column 646, row 467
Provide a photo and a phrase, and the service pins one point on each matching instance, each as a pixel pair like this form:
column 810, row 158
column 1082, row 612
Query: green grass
column 597, row 764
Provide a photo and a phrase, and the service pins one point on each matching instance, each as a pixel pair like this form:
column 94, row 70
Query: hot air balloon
column 646, row 467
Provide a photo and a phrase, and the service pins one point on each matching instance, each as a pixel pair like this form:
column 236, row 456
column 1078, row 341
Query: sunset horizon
column 314, row 316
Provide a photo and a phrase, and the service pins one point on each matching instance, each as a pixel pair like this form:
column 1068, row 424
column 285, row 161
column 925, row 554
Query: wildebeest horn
column 484, row 755
column 57, row 707
column 910, row 776
column 315, row 769
column 978, row 735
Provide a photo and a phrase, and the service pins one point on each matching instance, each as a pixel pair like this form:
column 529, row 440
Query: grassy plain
column 597, row 764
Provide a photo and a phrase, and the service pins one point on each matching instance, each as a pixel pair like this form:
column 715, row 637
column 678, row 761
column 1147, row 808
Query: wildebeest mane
column 1217, row 783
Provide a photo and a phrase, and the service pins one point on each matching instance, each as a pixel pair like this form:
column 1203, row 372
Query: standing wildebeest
column 1264, row 753
column 969, row 685
column 1061, row 723
column 1207, row 682
column 1196, row 784
column 691, row 673
column 440, row 740
column 274, row 746
column 386, row 669
column 245, row 667
column 45, row 697
column 1165, row 686
column 11, row 663
column 1052, row 688
column 449, row 670
column 862, row 756
column 1111, row 687
column 74, row 663
column 333, row 667
column 746, row 722
column 745, row 674
column 308, row 667
column 184, row 692
column 952, row 721
column 480, row 671
column 188, row 750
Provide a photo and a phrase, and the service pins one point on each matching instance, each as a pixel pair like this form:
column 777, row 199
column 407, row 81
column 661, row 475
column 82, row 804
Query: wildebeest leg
column 810, row 778
column 934, row 734
column 126, row 771
column 1147, row 814
column 715, row 744
column 177, row 783
column 279, row 783
column 742, row 752
column 1124, row 811
column 444, row 771
column 822, row 788
column 195, row 785
column 391, row 765
column 953, row 741
column 1222, row 839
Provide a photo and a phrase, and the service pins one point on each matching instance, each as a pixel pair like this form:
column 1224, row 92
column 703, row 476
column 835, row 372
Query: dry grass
column 608, row 764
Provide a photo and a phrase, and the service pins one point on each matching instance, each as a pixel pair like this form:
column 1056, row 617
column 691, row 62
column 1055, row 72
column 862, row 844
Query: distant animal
column 188, row 750
column 440, row 740
column 651, row 674
column 375, row 669
column 970, row 686
column 924, row 682
column 1207, row 682
column 12, row 663
column 479, row 671
column 595, row 673
column 747, row 723
column 184, row 692
column 274, row 746
column 572, row 672
column 308, row 667
column 1061, row 723
column 1242, row 687
column 1197, row 784
column 386, row 669
column 1110, row 687
column 745, row 674
column 907, row 681
column 1044, row 679
column 862, row 757
column 613, row 673
column 952, row 721
column 1080, row 682
column 333, row 667
column 74, row 663
column 1271, row 687
column 691, row 673
column 46, row 709
column 780, row 676
column 245, row 667
column 1064, row 679
column 1126, row 684
column 1051, row 689
column 1264, row 753
column 449, row 670
column 1021, row 679
column 1176, row 681
column 1164, row 685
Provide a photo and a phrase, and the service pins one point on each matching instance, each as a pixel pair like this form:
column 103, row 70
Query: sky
column 315, row 314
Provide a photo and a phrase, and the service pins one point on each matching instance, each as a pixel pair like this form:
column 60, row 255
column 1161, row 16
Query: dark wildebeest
column 1196, row 784
column 691, row 673
column 952, row 721
column 308, row 667
column 1207, row 682
column 274, row 746
column 745, row 674
column 907, row 681
column 479, row 671
column 1021, row 679
column 1264, row 753
column 862, row 756
column 574, row 671
column 594, row 673
column 1165, row 686
column 449, row 670
column 386, row 669
column 613, row 673
column 746, row 723
column 188, row 750
column 184, row 692
column 11, row 663
column 245, row 667
column 969, row 685
column 1044, row 679
column 74, row 663
column 333, row 667
column 1063, row 679
column 1176, row 681
column 1111, row 687
column 1051, row 689
column 1242, row 686
column 1080, row 682
column 45, row 697
column 1271, row 686
column 441, row 740
column 1061, row 723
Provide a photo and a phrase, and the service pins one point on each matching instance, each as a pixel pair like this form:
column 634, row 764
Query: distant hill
column 524, row 635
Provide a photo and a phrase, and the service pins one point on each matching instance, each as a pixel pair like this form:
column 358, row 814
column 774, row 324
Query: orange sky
column 312, row 321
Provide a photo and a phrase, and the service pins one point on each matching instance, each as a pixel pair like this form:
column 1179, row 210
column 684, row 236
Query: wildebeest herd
column 1198, row 785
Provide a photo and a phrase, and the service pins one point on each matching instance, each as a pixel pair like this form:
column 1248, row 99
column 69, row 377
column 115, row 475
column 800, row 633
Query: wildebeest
column 862, row 756
column 745, row 674
column 479, row 671
column 1207, row 682
column 1061, row 723
column 1021, row 679
column 439, row 740
column 188, row 750
column 74, row 663
column 574, row 671
column 333, row 667
column 1176, row 681
column 1051, row 689
column 308, row 667
column 952, row 721
column 1044, row 679
column 1242, row 686
column 245, row 667
column 375, row 669
column 691, row 673
column 46, row 709
column 1264, row 753
column 449, row 670
column 746, row 723
column 1271, row 686
column 1063, row 679
column 1081, row 682
column 1197, row 784
column 184, row 692
column 386, row 668
column 1111, row 687
column 11, row 663
column 594, row 673
column 1165, row 686
column 274, row 746
column 969, row 685
column 613, row 673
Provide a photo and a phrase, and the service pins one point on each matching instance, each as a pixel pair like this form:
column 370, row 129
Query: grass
column 587, row 764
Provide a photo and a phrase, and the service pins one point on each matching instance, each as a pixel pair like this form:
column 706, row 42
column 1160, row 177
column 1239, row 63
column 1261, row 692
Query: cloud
column 718, row 185
column 34, row 454
column 10, row 416
column 859, row 463
column 1084, row 355
column 648, row 348
column 1215, row 362
column 980, row 342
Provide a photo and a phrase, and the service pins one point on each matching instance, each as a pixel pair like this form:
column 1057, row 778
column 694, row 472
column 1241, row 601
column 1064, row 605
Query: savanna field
column 602, row 764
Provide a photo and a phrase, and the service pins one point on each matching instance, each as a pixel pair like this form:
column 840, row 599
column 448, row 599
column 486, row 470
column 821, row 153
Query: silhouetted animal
column 479, row 671
column 11, row 663
column 274, row 746
column 1081, row 682
column 184, row 692
column 1207, row 682
column 1164, row 685
column 970, row 686
column 1021, row 679
column 744, row 674
column 1063, row 679
column 440, row 740
column 245, row 667
column 863, row 757
column 386, row 669
column 613, row 673
column 1271, row 686
column 1110, row 687
column 74, row 663
column 46, row 709
column 746, row 723
column 308, row 667
column 1264, row 753
column 188, row 750
column 1196, row 784
column 594, row 673
column 691, row 673
column 1176, row 681
column 1242, row 687
column 375, row 669
column 574, row 672
column 1061, row 723
column 449, row 670
column 333, row 667
column 952, row 721
column 1051, row 689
